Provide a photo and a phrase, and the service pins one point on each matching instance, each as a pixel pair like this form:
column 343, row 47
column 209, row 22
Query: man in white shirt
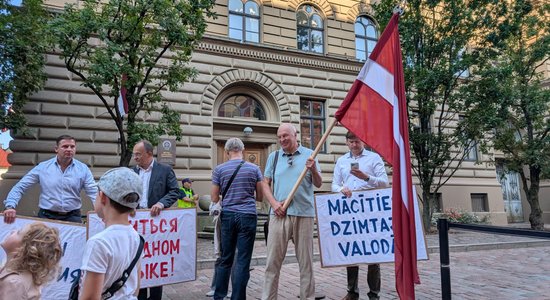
column 61, row 180
column 359, row 169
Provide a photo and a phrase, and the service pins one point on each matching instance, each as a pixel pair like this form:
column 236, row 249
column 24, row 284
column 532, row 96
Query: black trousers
column 155, row 293
column 71, row 216
column 373, row 279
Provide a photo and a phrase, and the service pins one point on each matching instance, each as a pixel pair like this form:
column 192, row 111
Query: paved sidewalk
column 507, row 267
column 458, row 241
column 494, row 274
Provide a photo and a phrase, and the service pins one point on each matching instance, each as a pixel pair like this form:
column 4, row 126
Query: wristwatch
column 367, row 179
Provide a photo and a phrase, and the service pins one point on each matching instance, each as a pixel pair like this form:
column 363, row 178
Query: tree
column 435, row 39
column 141, row 46
column 511, row 101
column 23, row 42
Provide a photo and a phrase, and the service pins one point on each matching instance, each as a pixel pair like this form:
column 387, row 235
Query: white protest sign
column 358, row 229
column 170, row 249
column 73, row 236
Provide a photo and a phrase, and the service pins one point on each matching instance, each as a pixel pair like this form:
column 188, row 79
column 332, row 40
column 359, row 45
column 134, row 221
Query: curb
column 291, row 258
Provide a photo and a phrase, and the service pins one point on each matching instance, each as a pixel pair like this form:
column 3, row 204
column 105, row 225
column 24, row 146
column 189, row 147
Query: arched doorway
column 249, row 112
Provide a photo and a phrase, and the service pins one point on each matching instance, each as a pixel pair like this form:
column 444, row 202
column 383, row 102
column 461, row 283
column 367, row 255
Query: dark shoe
column 373, row 296
column 351, row 296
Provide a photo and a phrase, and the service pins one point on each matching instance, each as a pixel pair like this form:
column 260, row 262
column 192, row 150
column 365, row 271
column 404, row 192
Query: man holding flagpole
column 295, row 223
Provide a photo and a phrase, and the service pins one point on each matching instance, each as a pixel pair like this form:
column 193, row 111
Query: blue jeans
column 238, row 232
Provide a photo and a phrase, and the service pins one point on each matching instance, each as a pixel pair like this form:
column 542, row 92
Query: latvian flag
column 375, row 110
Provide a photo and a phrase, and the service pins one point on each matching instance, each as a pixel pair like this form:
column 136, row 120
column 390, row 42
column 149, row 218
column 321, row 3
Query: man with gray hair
column 282, row 171
column 240, row 184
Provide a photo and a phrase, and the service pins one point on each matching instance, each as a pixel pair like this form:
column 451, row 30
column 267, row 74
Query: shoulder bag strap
column 231, row 180
column 274, row 167
column 120, row 282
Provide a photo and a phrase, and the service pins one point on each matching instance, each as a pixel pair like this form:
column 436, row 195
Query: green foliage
column 148, row 41
column 436, row 39
column 23, row 42
column 460, row 216
column 511, row 101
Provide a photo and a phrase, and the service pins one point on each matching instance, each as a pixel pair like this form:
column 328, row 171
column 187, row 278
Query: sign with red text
column 170, row 249
column 72, row 236
column 358, row 229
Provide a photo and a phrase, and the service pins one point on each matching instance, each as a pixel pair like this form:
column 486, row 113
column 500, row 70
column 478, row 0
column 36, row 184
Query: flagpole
column 313, row 155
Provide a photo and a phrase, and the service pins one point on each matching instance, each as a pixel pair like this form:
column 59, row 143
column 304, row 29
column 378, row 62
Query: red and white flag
column 122, row 103
column 375, row 110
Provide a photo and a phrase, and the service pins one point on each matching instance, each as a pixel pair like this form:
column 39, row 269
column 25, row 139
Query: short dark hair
column 147, row 145
column 64, row 137
column 350, row 135
column 121, row 209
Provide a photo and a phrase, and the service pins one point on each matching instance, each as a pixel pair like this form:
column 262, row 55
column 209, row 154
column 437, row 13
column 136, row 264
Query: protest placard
column 170, row 249
column 358, row 229
column 73, row 236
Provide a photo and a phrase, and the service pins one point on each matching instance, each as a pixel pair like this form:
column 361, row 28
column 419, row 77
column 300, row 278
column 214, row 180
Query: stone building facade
column 254, row 73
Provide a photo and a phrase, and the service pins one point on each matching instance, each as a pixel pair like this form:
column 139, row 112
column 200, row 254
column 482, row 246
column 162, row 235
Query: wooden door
column 254, row 153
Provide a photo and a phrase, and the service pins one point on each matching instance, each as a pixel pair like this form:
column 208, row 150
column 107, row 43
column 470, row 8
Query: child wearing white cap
column 109, row 253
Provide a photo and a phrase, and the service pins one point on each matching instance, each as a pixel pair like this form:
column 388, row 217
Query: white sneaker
column 210, row 293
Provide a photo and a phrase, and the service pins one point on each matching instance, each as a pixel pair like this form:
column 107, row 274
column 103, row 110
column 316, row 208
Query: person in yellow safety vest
column 188, row 198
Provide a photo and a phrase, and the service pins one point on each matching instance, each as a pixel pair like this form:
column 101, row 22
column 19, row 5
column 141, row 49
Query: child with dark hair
column 33, row 255
column 109, row 253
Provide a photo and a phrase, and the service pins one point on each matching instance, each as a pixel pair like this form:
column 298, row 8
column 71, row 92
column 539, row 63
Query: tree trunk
column 125, row 151
column 426, row 210
column 125, row 156
column 535, row 217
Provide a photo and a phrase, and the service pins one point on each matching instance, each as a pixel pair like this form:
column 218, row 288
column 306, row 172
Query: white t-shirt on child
column 110, row 252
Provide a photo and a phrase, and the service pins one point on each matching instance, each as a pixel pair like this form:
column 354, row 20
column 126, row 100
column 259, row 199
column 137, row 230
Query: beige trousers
column 282, row 230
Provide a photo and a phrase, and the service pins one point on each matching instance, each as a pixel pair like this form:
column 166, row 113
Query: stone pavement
column 483, row 266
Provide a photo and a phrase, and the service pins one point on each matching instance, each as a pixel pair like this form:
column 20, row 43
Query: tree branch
column 150, row 69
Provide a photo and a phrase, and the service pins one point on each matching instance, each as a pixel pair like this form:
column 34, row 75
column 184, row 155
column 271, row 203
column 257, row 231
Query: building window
column 470, row 147
column 312, row 123
column 241, row 106
column 479, row 203
column 415, row 121
column 438, row 204
column 244, row 21
column 366, row 37
column 310, row 29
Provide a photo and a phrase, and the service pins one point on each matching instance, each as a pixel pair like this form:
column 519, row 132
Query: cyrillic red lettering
column 154, row 227
column 151, row 270
column 164, row 269
column 165, row 247
column 143, row 224
column 146, row 251
column 162, row 224
column 174, row 246
column 156, row 248
column 174, row 225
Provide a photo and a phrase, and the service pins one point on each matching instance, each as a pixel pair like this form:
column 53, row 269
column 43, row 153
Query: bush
column 459, row 216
